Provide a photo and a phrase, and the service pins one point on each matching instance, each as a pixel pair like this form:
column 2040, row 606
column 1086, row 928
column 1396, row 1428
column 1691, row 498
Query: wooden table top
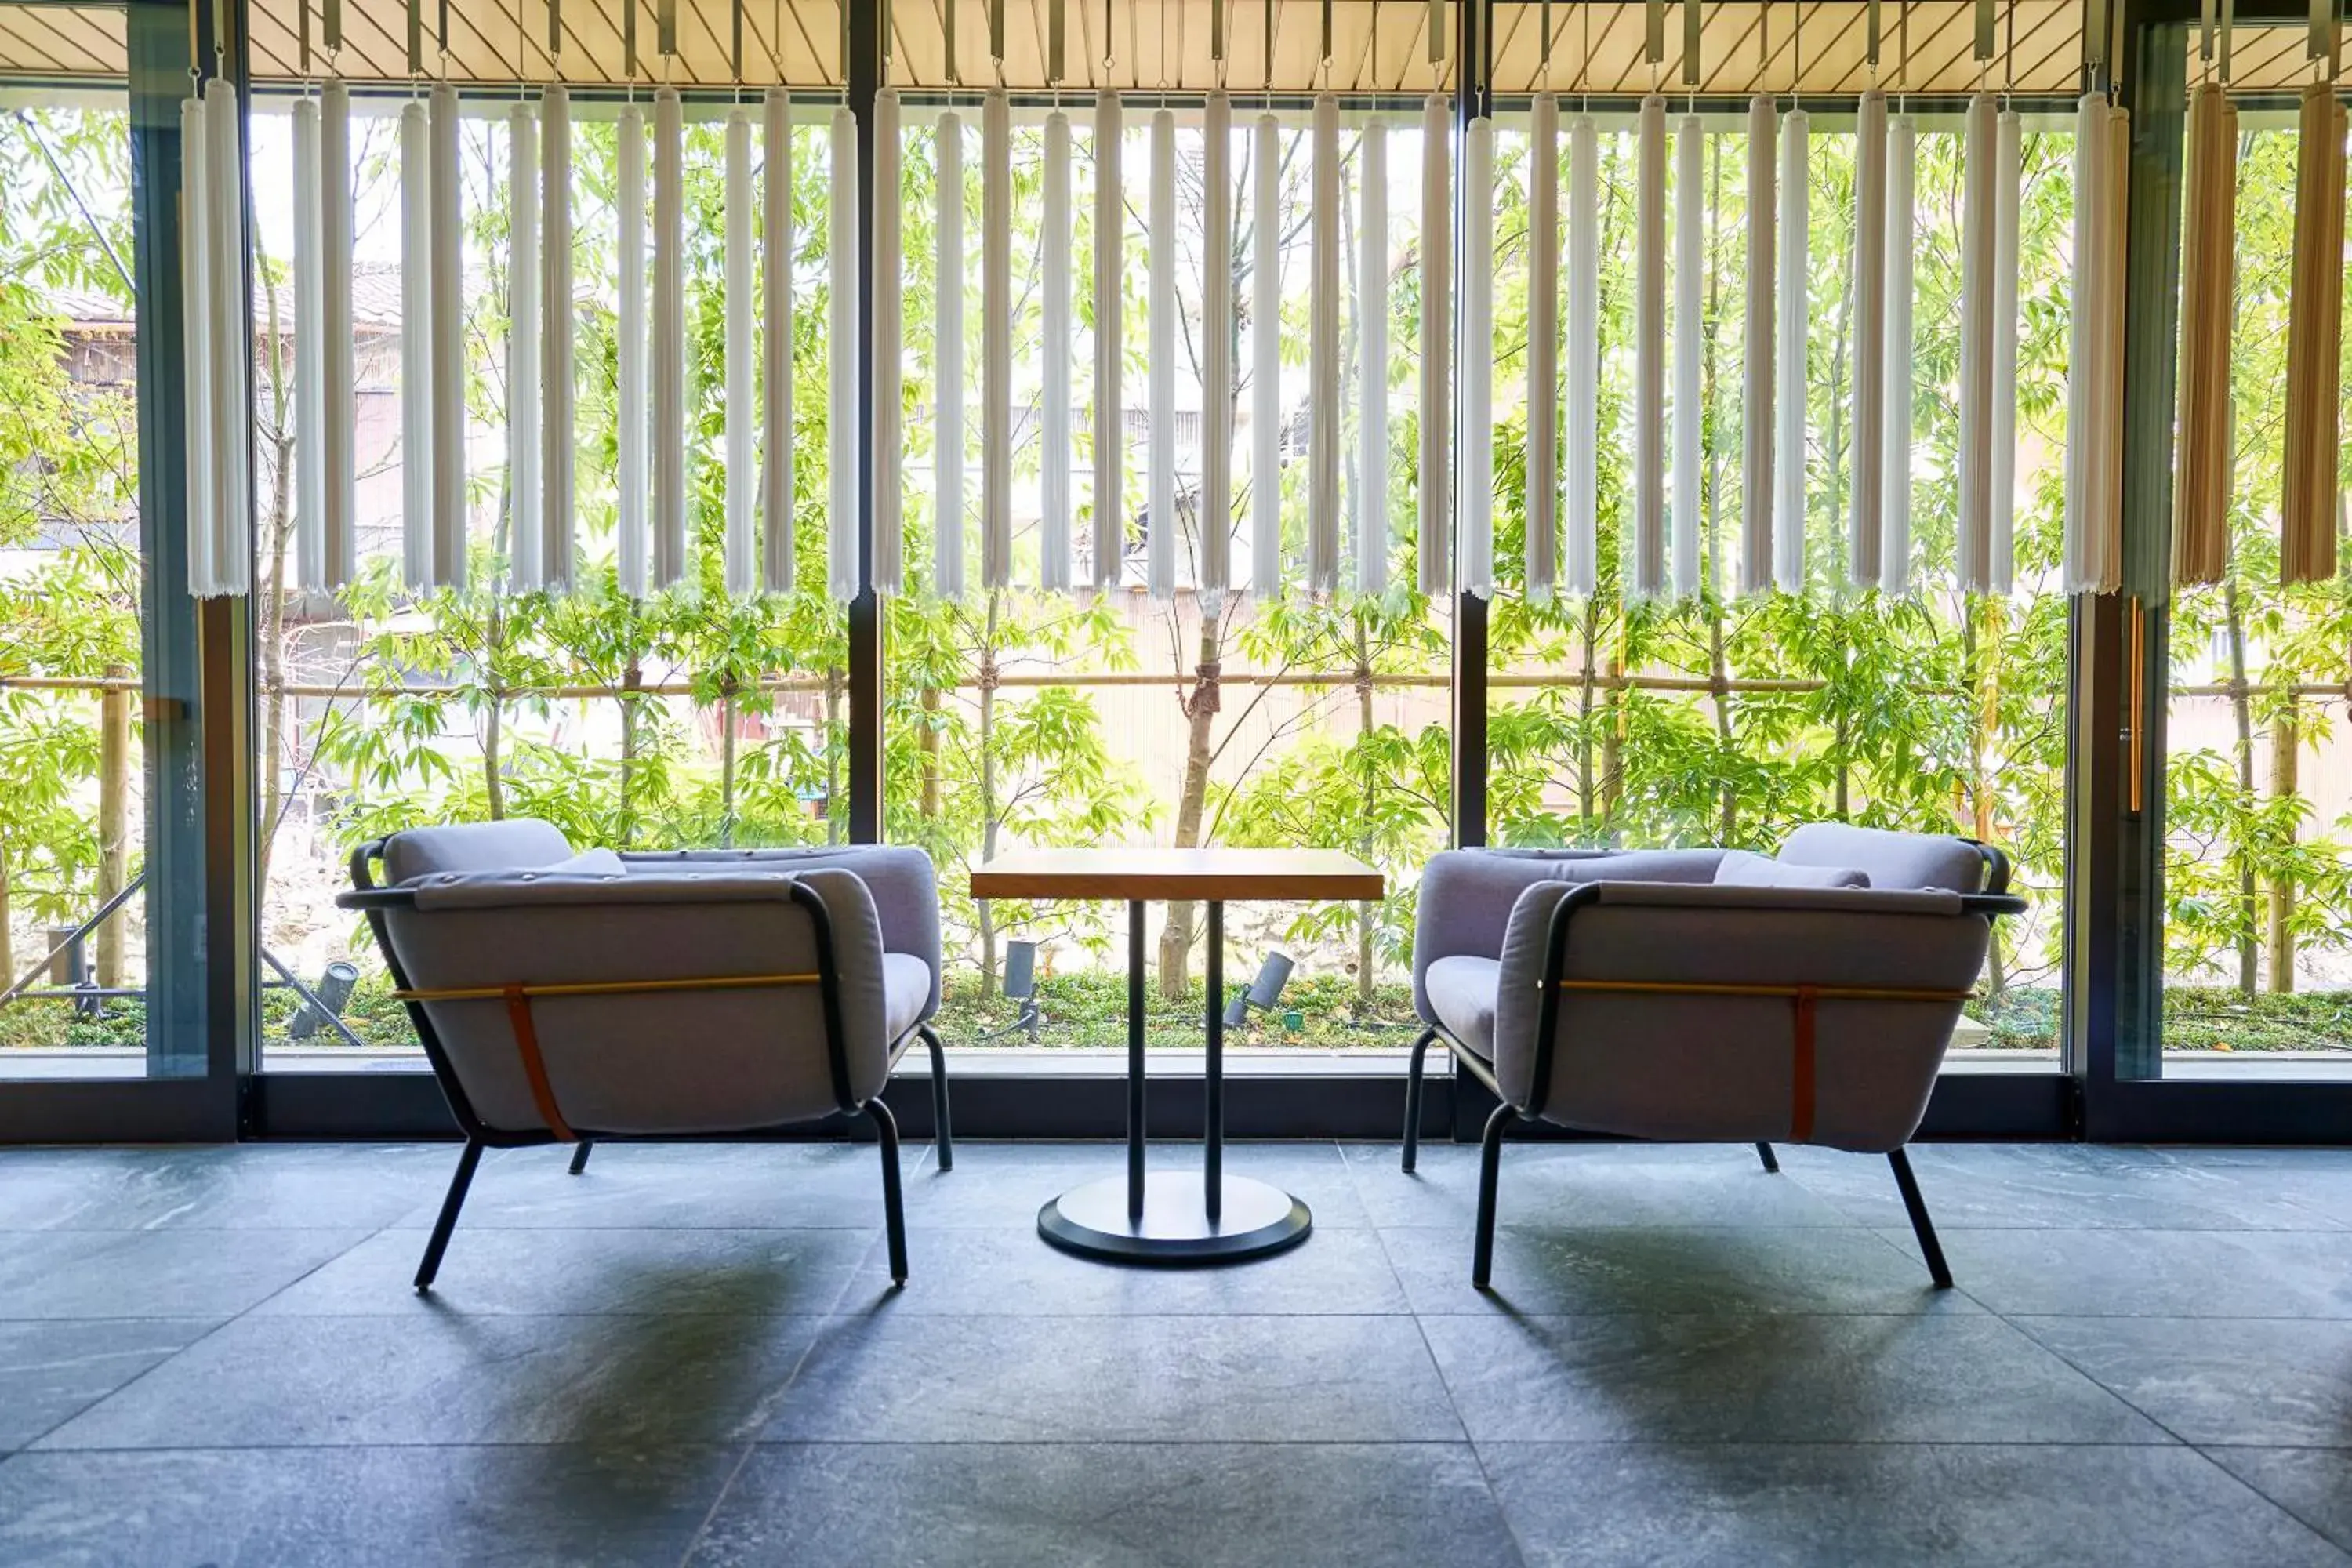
column 1218, row 874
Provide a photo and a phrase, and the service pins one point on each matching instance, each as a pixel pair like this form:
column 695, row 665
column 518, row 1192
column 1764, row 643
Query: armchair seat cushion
column 906, row 992
column 1461, row 994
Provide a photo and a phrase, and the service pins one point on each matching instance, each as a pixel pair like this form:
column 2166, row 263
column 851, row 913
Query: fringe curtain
column 338, row 398
column 1110, row 265
column 1866, row 444
column 946, row 358
column 629, row 352
column 1543, row 350
column 668, row 367
column 1266, row 359
column 310, row 333
column 1690, row 268
column 1371, row 361
column 778, row 497
column 1795, row 323
column 1323, row 355
column 559, row 495
column 219, row 410
column 742, row 558
column 2200, row 550
column 446, row 247
column 1895, row 505
column 2001, row 570
column 1756, row 369
column 1474, row 515
column 1436, row 305
column 2314, row 344
column 997, row 428
column 1579, row 541
column 1974, row 544
column 2092, row 559
column 1159, row 520
column 416, row 346
column 843, row 568
column 1217, row 268
column 526, row 544
column 1054, row 475
column 1648, row 577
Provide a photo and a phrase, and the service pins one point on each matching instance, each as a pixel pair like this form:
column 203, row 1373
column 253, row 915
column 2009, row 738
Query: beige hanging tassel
column 2314, row 344
column 2201, row 542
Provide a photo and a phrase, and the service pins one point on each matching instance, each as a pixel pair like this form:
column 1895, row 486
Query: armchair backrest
column 516, row 844
column 1890, row 859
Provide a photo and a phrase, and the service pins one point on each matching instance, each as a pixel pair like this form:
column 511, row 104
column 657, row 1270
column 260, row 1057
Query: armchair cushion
column 519, row 843
column 1741, row 870
column 1889, row 859
column 1462, row 994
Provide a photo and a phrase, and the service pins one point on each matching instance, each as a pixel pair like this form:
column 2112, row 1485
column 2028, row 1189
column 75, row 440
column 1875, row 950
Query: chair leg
column 580, row 1156
column 942, row 1129
column 1771, row 1160
column 894, row 1212
column 450, row 1205
column 1921, row 1226
column 1490, row 1169
column 1412, row 1076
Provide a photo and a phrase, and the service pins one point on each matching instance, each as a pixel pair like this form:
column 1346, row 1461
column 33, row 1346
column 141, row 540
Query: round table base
column 1092, row 1221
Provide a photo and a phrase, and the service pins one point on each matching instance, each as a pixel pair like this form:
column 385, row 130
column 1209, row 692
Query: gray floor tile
column 50, row 1372
column 2152, row 1273
column 2313, row 1484
column 174, row 1273
column 962, row 1272
column 2069, row 1186
column 2263, row 1381
column 1972, row 1506
column 1679, row 1269
column 898, row 1378
column 774, row 1272
column 452, row 1379
column 1782, row 1378
column 1571, row 1186
column 1021, row 1505
column 710, row 1187
column 274, row 1186
column 2316, row 1180
column 996, row 1186
column 357, row 1508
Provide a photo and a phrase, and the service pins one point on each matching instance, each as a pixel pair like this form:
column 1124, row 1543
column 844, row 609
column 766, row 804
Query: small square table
column 1170, row 1216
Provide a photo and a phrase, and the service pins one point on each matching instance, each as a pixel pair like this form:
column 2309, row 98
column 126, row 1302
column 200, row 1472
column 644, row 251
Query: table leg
column 1135, row 1064
column 1212, row 1152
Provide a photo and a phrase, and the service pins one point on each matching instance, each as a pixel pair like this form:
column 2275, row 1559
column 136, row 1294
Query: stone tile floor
column 692, row 1355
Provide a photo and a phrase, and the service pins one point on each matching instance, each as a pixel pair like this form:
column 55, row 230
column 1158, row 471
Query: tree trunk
column 927, row 742
column 269, row 635
column 833, row 823
column 2241, row 710
column 2286, row 742
column 1368, row 911
column 1983, row 652
column 1612, row 738
column 990, row 826
column 1591, row 636
column 113, row 824
column 727, row 766
column 7, row 934
column 631, row 678
column 1200, row 715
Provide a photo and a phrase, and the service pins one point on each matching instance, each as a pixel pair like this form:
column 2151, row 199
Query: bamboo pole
column 113, row 819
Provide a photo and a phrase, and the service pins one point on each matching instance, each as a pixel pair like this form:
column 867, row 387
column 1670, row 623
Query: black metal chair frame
column 1995, row 900
column 369, row 898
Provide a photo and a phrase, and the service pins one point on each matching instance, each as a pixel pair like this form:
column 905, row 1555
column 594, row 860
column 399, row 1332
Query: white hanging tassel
column 842, row 565
column 629, row 352
column 2002, row 483
column 2307, row 547
column 524, row 500
column 997, row 432
column 1974, row 546
column 1649, row 573
column 1054, row 347
column 338, row 399
column 196, row 337
column 1216, row 513
column 1690, row 267
column 668, row 352
column 742, row 561
column 1866, row 445
column 888, row 391
column 1436, row 319
column 1160, row 523
column 1895, row 541
column 778, row 497
column 947, row 355
column 232, row 392
column 416, row 346
column 1543, row 349
column 310, row 331
column 2084, row 564
column 1579, row 540
column 559, row 503
column 1757, row 356
column 448, row 239
column 1266, row 360
column 1109, row 411
column 2111, row 380
column 1794, row 321
column 1323, row 356
column 1475, row 516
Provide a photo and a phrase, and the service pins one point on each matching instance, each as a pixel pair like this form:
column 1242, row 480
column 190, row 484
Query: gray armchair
column 1707, row 995
column 571, row 998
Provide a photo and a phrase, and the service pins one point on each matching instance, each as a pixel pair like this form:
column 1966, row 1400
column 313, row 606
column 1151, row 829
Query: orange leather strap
column 535, row 1065
column 1801, row 1080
